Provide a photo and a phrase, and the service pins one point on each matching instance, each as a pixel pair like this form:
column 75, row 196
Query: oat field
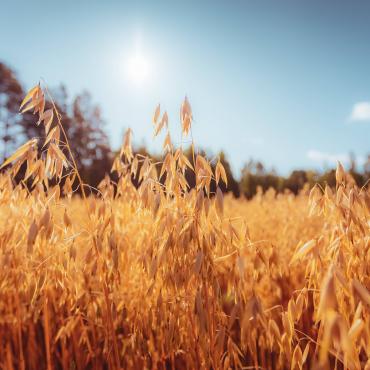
column 161, row 277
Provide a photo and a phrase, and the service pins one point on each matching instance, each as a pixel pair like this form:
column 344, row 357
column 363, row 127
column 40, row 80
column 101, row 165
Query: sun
column 137, row 69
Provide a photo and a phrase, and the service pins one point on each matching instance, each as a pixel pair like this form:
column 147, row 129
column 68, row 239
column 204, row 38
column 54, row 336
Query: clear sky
column 285, row 82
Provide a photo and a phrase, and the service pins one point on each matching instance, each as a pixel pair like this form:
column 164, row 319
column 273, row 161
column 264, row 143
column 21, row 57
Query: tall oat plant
column 161, row 277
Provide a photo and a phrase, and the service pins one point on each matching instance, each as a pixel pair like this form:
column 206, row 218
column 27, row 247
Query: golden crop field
column 160, row 277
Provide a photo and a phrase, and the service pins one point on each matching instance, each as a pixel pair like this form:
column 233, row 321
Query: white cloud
column 361, row 112
column 332, row 159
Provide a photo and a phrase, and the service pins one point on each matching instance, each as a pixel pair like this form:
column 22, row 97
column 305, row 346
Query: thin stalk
column 68, row 146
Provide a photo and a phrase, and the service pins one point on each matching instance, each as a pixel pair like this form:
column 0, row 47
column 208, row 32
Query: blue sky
column 285, row 82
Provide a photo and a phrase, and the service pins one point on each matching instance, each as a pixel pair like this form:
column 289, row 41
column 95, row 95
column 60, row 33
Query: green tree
column 255, row 175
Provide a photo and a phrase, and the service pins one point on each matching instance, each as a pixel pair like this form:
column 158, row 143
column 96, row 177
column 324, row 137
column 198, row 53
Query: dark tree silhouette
column 81, row 119
column 90, row 143
column 11, row 94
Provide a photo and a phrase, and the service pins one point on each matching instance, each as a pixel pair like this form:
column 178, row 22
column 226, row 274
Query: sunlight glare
column 138, row 69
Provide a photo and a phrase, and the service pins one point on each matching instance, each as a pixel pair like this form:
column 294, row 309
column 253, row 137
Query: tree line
column 85, row 128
